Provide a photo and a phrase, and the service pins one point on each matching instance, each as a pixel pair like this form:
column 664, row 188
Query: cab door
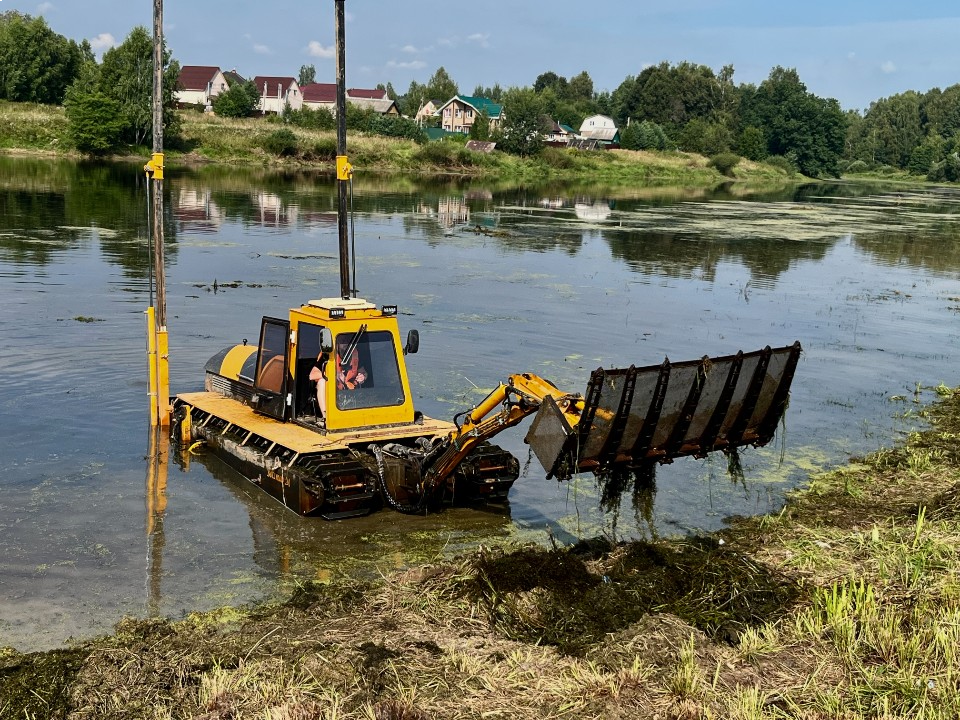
column 270, row 383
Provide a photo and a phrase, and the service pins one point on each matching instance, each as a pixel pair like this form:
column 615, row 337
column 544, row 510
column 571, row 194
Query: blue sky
column 855, row 51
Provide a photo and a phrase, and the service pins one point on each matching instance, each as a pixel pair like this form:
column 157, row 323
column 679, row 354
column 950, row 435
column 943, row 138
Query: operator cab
column 355, row 345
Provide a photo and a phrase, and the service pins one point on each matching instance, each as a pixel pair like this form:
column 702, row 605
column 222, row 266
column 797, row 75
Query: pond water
column 557, row 280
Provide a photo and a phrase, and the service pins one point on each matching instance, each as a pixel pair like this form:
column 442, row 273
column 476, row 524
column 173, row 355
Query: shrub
column 725, row 163
column 281, row 143
column 238, row 101
column 324, row 150
column 752, row 144
column 783, row 163
column 440, row 153
column 96, row 125
column 947, row 170
column 319, row 119
column 857, row 166
column 396, row 126
column 557, row 158
column 468, row 158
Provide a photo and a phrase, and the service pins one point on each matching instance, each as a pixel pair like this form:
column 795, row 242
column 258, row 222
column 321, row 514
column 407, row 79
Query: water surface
column 553, row 280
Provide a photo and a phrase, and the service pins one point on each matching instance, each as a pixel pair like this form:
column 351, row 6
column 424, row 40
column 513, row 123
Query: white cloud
column 888, row 67
column 481, row 39
column 44, row 7
column 261, row 49
column 448, row 42
column 102, row 42
column 315, row 49
column 412, row 65
column 409, row 49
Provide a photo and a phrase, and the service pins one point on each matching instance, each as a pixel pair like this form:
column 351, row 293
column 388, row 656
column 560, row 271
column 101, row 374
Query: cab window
column 368, row 374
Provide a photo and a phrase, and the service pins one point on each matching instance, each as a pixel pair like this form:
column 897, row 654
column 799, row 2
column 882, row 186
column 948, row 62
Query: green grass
column 209, row 139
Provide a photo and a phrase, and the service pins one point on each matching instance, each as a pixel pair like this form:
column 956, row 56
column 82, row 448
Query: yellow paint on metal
column 344, row 168
column 152, row 364
column 163, row 378
column 233, row 362
column 302, row 439
column 186, row 426
column 155, row 166
column 357, row 312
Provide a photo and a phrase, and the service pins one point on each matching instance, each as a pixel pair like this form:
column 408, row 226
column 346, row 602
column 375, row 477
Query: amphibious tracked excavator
column 320, row 415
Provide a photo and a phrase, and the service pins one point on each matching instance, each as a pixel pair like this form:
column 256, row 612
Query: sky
column 856, row 51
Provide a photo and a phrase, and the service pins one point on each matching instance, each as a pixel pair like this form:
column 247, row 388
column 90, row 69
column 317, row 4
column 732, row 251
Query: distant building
column 320, row 95
column 278, row 92
column 233, row 77
column 460, row 112
column 199, row 85
column 324, row 95
column 600, row 128
column 557, row 134
column 426, row 111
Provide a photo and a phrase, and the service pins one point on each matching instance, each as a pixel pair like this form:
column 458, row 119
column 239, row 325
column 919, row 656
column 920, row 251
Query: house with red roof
column 320, row 95
column 199, row 85
column 324, row 95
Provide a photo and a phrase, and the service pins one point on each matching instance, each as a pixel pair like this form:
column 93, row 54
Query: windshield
column 367, row 372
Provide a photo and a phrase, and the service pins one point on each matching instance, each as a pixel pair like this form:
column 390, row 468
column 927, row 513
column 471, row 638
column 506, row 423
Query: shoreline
column 846, row 603
column 42, row 130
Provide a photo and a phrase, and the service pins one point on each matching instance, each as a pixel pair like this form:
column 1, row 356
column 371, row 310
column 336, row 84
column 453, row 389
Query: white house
column 199, row 84
column 600, row 128
column 278, row 92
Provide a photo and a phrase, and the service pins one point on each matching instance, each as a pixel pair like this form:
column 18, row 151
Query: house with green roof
column 460, row 112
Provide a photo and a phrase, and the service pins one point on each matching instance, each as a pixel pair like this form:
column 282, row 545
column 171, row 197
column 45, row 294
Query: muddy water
column 555, row 280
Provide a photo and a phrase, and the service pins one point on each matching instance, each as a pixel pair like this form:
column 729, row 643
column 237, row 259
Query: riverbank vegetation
column 683, row 107
column 846, row 604
column 205, row 138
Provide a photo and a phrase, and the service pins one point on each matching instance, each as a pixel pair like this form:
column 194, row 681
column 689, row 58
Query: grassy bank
column 254, row 141
column 844, row 605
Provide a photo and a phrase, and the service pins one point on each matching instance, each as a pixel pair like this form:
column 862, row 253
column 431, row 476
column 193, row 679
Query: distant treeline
column 684, row 106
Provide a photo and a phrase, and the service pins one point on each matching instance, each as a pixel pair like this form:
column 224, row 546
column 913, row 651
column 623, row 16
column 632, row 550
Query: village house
column 600, row 128
column 460, row 112
column 324, row 95
column 377, row 100
column 557, row 135
column 199, row 85
column 278, row 92
column 426, row 111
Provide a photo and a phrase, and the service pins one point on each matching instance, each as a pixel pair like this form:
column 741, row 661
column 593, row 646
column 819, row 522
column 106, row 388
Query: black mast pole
column 343, row 166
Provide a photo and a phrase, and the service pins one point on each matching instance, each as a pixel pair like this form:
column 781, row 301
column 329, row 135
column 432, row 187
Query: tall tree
column 441, row 86
column 580, row 87
column 522, row 130
column 36, row 64
column 494, row 93
column 125, row 79
column 308, row 74
column 126, row 75
column 796, row 122
column 550, row 81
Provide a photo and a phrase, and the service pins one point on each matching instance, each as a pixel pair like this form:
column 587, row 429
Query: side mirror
column 326, row 340
column 413, row 343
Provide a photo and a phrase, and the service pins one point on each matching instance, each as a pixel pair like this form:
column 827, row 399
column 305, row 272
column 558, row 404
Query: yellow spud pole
column 152, row 364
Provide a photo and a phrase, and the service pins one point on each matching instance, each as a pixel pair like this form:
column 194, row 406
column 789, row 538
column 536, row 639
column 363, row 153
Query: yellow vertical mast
column 158, row 342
